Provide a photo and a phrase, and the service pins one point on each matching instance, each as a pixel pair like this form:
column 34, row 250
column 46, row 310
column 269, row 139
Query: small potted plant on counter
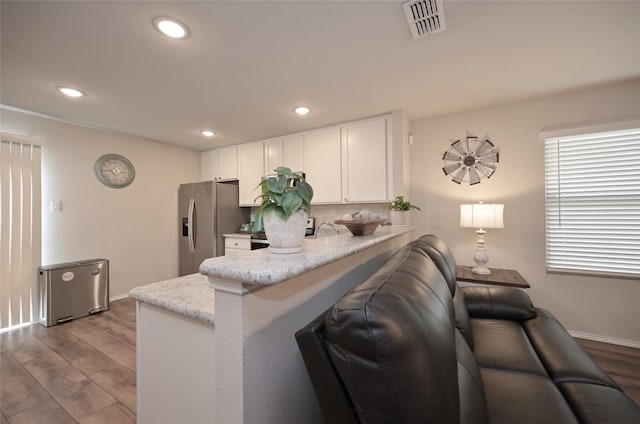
column 286, row 204
column 399, row 209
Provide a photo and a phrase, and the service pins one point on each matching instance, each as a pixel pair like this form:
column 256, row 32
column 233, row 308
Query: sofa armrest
column 498, row 303
column 332, row 396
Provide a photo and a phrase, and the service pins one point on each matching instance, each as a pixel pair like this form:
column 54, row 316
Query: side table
column 498, row 277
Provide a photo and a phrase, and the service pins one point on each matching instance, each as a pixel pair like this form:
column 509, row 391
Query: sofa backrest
column 442, row 256
column 392, row 341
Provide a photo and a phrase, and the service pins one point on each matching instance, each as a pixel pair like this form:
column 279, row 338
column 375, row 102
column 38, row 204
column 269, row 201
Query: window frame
column 565, row 198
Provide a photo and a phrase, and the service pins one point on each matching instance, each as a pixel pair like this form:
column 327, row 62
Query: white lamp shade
column 481, row 215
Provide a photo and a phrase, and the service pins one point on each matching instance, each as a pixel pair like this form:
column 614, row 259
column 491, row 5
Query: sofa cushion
column 504, row 345
column 523, row 399
column 562, row 356
column 462, row 317
column 595, row 404
column 499, row 303
column 472, row 402
column 392, row 342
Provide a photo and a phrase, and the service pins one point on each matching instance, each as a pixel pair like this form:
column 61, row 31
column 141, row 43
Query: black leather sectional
column 409, row 346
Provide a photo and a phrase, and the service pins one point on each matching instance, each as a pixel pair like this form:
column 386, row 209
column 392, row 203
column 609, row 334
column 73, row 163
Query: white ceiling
column 247, row 64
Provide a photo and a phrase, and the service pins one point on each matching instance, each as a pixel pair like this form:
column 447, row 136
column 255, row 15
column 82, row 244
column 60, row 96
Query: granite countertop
column 190, row 296
column 262, row 267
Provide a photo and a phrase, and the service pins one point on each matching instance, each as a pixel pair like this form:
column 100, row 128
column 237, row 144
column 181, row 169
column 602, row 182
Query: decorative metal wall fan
column 470, row 160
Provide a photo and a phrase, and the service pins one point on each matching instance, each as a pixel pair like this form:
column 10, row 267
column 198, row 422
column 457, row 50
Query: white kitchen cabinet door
column 273, row 156
column 228, row 163
column 219, row 164
column 364, row 161
column 250, row 172
column 208, row 165
column 322, row 164
column 292, row 148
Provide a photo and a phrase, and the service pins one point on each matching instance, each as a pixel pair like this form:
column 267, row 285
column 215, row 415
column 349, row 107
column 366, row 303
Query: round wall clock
column 114, row 170
column 470, row 160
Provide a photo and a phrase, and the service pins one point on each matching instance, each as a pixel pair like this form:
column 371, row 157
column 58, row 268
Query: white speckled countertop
column 262, row 267
column 190, row 295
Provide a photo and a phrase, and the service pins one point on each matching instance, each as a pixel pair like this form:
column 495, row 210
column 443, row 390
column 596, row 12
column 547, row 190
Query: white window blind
column 592, row 194
column 20, row 211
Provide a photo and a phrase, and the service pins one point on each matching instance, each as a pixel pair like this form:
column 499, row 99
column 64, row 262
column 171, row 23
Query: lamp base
column 481, row 270
column 480, row 257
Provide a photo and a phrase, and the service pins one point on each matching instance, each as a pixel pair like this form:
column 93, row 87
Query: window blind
column 20, row 212
column 592, row 203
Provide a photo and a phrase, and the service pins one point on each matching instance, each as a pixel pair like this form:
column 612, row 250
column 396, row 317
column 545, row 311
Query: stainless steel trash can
column 73, row 290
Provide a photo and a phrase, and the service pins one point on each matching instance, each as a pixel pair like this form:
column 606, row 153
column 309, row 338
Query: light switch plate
column 55, row 206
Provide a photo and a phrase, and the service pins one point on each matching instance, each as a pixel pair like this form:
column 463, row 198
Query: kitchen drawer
column 243, row 243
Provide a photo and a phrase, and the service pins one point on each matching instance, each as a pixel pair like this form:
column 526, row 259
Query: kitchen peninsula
column 236, row 360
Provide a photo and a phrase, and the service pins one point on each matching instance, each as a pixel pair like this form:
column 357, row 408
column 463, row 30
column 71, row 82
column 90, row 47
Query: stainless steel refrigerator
column 207, row 210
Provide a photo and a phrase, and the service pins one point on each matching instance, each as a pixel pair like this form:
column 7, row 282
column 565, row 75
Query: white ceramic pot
column 285, row 236
column 399, row 217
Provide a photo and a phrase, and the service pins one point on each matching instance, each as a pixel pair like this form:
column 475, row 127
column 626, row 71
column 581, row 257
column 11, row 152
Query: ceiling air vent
column 424, row 16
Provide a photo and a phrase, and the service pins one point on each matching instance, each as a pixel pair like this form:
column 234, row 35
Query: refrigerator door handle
column 191, row 225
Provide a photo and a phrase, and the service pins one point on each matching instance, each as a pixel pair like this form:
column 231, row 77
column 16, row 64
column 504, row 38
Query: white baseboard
column 604, row 339
column 118, row 297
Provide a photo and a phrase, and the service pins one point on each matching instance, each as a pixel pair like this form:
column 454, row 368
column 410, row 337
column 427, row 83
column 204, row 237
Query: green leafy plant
column 285, row 193
column 399, row 204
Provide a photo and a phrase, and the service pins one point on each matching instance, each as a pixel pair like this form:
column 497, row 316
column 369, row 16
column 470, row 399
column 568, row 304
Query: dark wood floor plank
column 19, row 391
column 78, row 395
column 49, row 412
column 112, row 414
column 622, row 363
column 124, row 311
column 111, row 376
column 108, row 323
column 84, row 369
column 61, row 341
column 22, row 344
column 117, row 348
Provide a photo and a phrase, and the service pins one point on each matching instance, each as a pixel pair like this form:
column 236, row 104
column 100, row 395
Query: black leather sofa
column 409, row 346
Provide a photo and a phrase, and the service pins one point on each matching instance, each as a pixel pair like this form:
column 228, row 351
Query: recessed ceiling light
column 71, row 92
column 207, row 133
column 302, row 110
column 171, row 27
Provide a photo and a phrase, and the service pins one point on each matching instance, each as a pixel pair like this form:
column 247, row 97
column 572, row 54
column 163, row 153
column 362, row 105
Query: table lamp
column 481, row 216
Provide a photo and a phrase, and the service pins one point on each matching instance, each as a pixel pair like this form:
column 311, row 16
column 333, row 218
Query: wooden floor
column 620, row 362
column 84, row 371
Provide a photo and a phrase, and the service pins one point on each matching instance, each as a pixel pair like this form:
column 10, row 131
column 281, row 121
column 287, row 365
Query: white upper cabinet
column 321, row 157
column 250, row 172
column 208, row 165
column 219, row 164
column 293, row 148
column 285, row 151
column 228, row 163
column 273, row 155
column 364, row 161
column 356, row 162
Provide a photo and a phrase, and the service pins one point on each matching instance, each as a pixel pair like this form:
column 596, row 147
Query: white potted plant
column 286, row 204
column 399, row 209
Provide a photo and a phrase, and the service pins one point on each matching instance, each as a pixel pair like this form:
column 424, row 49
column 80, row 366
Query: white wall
column 135, row 227
column 603, row 307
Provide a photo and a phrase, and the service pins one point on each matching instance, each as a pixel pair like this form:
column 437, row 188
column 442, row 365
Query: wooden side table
column 498, row 277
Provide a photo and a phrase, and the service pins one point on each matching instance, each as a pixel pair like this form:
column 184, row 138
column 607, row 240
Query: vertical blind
column 592, row 195
column 20, row 240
